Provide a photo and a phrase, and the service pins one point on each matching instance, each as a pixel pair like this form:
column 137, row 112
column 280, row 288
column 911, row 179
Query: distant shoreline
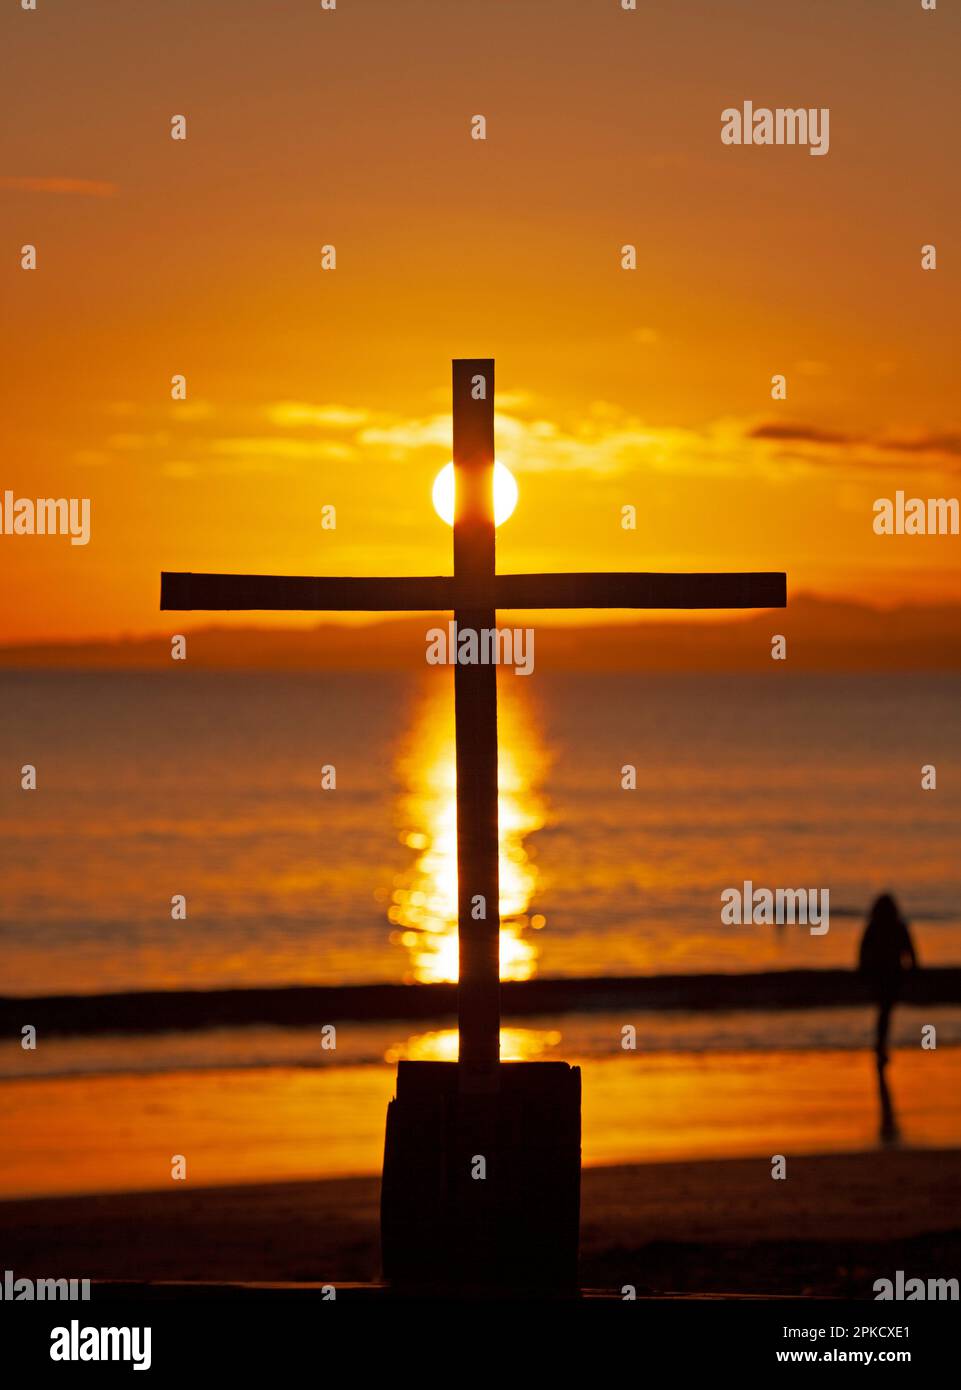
column 824, row 635
column 305, row 1005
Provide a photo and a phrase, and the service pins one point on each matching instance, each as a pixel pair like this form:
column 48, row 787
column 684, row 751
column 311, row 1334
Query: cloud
column 602, row 441
column 818, row 446
column 607, row 441
column 402, row 435
column 800, row 434
column 947, row 444
column 85, row 188
column 297, row 414
column 269, row 446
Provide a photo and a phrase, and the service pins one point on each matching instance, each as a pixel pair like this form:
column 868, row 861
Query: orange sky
column 305, row 387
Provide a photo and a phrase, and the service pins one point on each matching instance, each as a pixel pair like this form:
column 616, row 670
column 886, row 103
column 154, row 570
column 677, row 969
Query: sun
column 505, row 493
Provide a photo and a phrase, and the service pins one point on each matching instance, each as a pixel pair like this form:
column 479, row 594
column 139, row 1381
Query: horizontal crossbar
column 630, row 590
column 431, row 593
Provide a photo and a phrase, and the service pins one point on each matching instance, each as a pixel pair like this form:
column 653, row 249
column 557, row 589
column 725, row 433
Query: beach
column 836, row 1224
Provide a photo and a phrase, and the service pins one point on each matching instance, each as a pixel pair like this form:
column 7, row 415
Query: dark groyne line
column 298, row 1006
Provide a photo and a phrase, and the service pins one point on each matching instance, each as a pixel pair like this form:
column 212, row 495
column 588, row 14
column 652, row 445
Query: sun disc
column 505, row 493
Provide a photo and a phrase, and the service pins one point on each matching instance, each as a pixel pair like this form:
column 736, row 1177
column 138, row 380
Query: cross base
column 516, row 1228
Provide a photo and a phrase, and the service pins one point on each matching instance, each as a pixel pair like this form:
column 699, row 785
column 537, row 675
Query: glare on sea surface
column 505, row 493
column 423, row 906
column 517, row 1045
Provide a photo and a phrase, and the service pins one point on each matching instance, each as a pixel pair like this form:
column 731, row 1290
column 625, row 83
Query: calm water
column 211, row 786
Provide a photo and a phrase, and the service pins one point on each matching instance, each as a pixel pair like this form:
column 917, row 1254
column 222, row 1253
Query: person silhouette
column 887, row 952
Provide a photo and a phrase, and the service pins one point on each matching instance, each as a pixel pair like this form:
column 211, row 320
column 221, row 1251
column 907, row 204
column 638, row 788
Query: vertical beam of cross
column 475, row 721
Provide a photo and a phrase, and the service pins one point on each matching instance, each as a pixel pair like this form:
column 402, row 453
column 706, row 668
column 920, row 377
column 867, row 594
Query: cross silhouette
column 474, row 592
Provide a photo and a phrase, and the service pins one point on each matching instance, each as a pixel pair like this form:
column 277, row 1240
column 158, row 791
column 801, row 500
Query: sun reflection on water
column 517, row 1045
column 423, row 909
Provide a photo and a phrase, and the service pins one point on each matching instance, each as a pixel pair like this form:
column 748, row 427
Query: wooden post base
column 515, row 1228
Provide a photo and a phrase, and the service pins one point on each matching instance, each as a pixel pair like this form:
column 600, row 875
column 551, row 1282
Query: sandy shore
column 834, row 1226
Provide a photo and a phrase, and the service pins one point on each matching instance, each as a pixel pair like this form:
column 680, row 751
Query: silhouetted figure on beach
column 887, row 952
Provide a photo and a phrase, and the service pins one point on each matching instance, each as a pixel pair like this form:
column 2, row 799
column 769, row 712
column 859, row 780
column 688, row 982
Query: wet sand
column 837, row 1223
column 253, row 1126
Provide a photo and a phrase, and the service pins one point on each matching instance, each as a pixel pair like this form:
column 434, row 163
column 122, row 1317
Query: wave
column 661, row 1039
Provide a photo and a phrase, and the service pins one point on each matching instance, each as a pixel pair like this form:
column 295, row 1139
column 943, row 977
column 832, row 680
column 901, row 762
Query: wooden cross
column 474, row 592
